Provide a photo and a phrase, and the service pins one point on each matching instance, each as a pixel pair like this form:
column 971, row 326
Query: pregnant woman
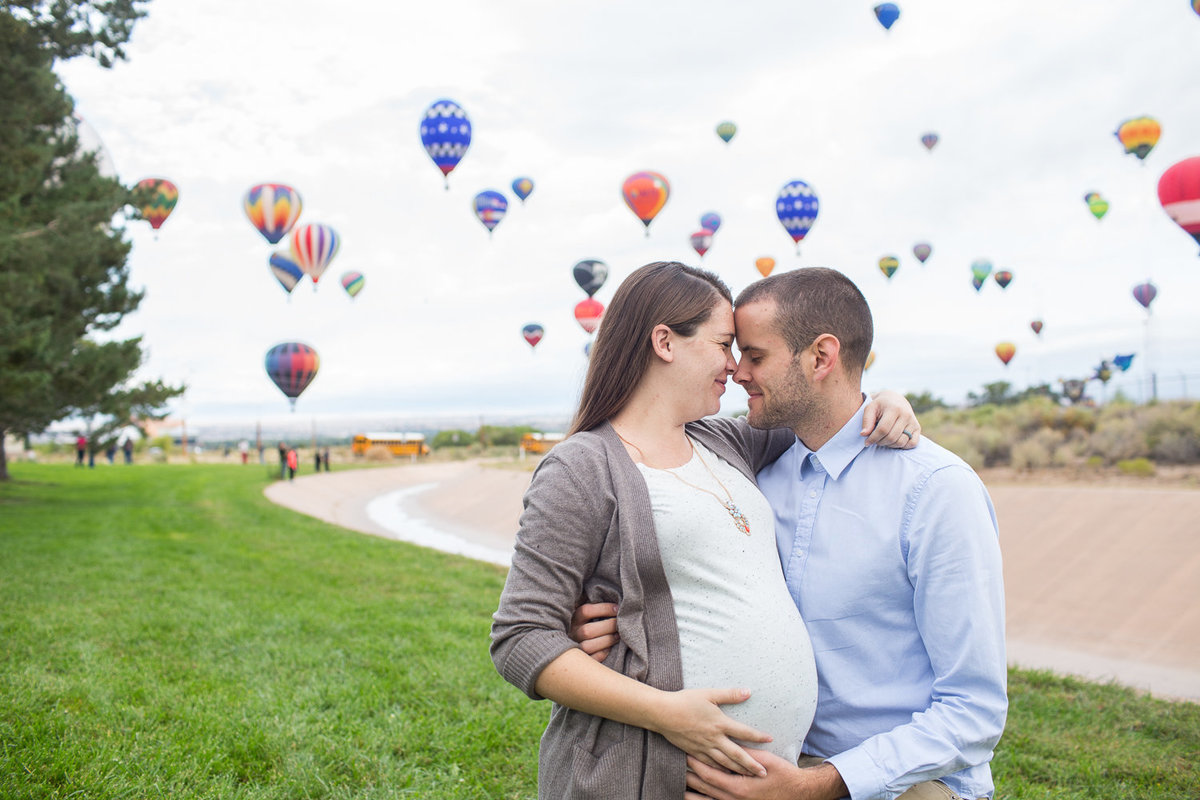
column 650, row 506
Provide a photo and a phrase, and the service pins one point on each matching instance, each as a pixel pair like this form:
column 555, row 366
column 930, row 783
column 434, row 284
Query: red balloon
column 1037, row 326
column 1179, row 193
column 702, row 240
column 646, row 193
column 588, row 313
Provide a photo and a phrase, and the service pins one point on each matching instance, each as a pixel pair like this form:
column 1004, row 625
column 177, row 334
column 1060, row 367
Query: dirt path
column 1101, row 582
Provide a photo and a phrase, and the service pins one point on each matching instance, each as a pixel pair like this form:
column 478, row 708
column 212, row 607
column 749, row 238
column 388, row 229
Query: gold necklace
column 739, row 519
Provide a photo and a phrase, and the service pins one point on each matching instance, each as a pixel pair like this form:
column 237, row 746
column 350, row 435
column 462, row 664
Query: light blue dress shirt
column 893, row 558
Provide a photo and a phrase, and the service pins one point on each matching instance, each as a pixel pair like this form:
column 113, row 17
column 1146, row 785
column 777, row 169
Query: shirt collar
column 836, row 454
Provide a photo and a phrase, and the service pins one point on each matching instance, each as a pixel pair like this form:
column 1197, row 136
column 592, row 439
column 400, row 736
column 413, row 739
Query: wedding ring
column 907, row 433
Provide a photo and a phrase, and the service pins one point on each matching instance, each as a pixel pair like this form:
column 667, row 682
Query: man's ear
column 827, row 353
column 662, row 341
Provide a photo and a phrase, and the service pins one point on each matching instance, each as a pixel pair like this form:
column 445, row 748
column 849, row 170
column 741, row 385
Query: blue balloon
column 523, row 187
column 490, row 207
column 711, row 221
column 887, row 14
column 797, row 208
column 446, row 134
column 1124, row 362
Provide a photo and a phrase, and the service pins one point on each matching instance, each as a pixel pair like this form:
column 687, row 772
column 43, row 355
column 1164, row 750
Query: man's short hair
column 813, row 301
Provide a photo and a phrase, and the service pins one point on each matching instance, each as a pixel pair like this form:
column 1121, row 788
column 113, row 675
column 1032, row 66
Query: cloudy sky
column 219, row 95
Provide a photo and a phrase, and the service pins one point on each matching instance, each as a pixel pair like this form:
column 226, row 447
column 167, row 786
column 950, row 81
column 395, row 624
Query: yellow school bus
column 540, row 442
column 399, row 444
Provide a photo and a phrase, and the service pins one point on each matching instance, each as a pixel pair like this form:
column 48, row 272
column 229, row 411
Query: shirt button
column 813, row 493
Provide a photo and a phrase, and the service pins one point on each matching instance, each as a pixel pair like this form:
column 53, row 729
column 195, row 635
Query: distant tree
column 1040, row 390
column 495, row 435
column 452, row 438
column 994, row 394
column 924, row 402
column 63, row 272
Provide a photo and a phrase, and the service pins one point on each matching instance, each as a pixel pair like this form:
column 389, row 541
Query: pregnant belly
column 764, row 649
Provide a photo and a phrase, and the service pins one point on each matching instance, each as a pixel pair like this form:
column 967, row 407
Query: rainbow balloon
column 273, row 209
column 353, row 283
column 158, row 197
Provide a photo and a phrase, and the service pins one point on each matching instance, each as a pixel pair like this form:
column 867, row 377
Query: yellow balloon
column 765, row 265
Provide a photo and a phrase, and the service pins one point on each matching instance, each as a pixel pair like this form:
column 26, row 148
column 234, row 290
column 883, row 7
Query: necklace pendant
column 739, row 519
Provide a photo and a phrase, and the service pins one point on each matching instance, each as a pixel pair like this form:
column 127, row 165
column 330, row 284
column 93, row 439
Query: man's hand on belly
column 783, row 781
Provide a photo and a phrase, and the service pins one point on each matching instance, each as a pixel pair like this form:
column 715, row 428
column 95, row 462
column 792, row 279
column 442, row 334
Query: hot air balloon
column 1145, row 293
column 1005, row 352
column 1139, row 135
column 981, row 268
column 646, row 193
column 701, row 241
column 929, row 140
column 1196, row 6
column 522, row 188
column 764, row 265
column 1037, row 326
column 888, row 266
column 313, row 246
column 711, row 221
column 490, row 206
column 1124, row 362
column 156, row 197
column 273, row 208
column 1073, row 389
column 533, row 333
column 1096, row 204
column 870, row 360
column 922, row 251
column 726, row 130
column 1179, row 193
column 1103, row 372
column 588, row 313
column 285, row 270
column 446, row 134
column 292, row 366
column 1004, row 278
column 797, row 208
column 590, row 274
column 977, row 282
column 353, row 283
column 887, row 14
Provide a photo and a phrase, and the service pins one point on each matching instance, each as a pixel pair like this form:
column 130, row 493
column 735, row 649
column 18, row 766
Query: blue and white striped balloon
column 797, row 208
column 446, row 134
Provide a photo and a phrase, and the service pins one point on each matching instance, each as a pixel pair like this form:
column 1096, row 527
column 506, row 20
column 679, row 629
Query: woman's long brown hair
column 662, row 293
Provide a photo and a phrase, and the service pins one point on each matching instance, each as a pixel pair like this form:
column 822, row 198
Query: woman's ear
column 662, row 341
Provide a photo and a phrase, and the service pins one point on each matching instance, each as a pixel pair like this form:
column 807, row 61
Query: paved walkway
column 1103, row 583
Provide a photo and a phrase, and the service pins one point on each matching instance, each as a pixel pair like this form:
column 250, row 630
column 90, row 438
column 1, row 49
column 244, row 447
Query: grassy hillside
column 167, row 632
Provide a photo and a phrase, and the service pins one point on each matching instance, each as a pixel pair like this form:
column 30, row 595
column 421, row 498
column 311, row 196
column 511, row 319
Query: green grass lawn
column 167, row 632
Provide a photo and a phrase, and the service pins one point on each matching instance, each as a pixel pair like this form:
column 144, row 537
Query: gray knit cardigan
column 587, row 533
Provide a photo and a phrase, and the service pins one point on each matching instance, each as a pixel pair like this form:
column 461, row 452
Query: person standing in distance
column 892, row 557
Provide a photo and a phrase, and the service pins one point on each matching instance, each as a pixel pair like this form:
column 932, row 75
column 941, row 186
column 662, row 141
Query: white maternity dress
column 738, row 626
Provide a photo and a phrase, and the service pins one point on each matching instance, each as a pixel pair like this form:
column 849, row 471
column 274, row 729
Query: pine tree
column 63, row 272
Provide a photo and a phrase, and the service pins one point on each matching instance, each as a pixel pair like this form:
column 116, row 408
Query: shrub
column 1119, row 439
column 1039, row 451
column 1142, row 467
column 378, row 453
